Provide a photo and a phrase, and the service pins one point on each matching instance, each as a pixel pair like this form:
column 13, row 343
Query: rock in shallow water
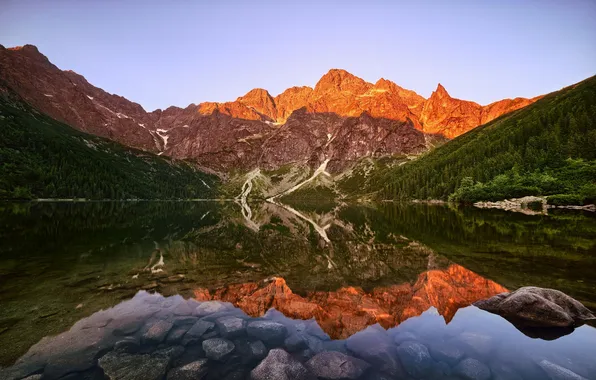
column 335, row 365
column 191, row 371
column 210, row 307
column 538, row 307
column 374, row 346
column 157, row 332
column 556, row 372
column 217, row 348
column 231, row 327
column 279, row 365
column 415, row 358
column 272, row 333
column 125, row 366
column 472, row 369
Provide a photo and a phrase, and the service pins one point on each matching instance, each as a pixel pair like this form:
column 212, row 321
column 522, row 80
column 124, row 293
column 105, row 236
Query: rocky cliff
column 342, row 119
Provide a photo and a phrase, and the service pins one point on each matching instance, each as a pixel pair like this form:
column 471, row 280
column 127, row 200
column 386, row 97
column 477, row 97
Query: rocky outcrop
column 342, row 119
column 538, row 307
column 343, row 312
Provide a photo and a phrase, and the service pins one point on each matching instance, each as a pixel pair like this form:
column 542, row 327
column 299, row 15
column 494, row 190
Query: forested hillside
column 43, row 158
column 547, row 148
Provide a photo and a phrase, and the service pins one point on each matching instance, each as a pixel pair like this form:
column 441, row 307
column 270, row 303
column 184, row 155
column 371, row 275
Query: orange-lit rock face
column 343, row 119
column 348, row 310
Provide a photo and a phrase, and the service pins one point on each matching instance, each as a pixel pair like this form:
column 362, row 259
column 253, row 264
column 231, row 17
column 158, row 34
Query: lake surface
column 108, row 287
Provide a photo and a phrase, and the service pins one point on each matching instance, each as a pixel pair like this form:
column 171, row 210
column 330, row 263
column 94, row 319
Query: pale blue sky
column 162, row 53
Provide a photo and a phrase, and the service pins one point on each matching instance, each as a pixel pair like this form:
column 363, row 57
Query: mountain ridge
column 236, row 134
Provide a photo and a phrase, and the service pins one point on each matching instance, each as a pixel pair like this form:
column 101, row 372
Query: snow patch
column 49, row 96
column 205, row 184
column 185, row 126
column 122, row 116
column 90, row 97
column 142, row 125
column 162, row 130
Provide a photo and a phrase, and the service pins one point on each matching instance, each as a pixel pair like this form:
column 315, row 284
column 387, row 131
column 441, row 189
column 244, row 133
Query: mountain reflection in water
column 350, row 309
column 384, row 267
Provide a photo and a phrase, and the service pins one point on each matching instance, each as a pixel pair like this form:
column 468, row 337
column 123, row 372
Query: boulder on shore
column 538, row 307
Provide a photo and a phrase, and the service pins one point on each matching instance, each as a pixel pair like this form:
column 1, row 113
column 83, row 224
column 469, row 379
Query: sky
column 163, row 53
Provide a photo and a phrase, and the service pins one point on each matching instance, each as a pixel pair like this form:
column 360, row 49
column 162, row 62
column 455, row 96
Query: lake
column 137, row 289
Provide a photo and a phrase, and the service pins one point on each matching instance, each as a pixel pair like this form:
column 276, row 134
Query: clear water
column 77, row 278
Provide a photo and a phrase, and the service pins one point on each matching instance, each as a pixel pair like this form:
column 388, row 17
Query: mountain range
column 342, row 119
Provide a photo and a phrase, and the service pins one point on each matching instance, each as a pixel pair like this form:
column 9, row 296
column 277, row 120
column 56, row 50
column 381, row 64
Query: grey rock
column 176, row 335
column 373, row 346
column 556, row 372
column 130, row 344
column 126, row 325
column 258, row 350
column 200, row 328
column 192, row 371
column 231, row 327
column 279, row 365
column 296, row 342
column 538, row 307
column 335, row 365
column 448, row 353
column 415, row 358
column 182, row 320
column 157, row 332
column 209, row 335
column 271, row 333
column 210, row 307
column 182, row 308
column 124, row 366
column 472, row 369
column 217, row 348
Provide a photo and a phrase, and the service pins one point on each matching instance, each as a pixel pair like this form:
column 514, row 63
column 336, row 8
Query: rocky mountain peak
column 339, row 80
column 440, row 92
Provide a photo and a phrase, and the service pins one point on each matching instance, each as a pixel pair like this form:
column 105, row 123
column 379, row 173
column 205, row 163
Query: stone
column 335, row 365
column 280, row 365
column 200, row 328
column 182, row 309
column 415, row 358
column 130, row 344
column 176, row 335
column 209, row 307
column 538, row 307
column 296, row 342
column 258, row 350
column 119, row 365
column 472, row 369
column 182, row 320
column 192, row 371
column 445, row 352
column 271, row 333
column 373, row 346
column 217, row 348
column 157, row 332
column 556, row 372
column 231, row 327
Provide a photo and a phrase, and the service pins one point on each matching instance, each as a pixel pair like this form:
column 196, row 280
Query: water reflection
column 60, row 263
column 150, row 336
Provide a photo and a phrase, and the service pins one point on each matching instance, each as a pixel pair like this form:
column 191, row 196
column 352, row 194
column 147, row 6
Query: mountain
column 43, row 158
column 342, row 119
column 547, row 148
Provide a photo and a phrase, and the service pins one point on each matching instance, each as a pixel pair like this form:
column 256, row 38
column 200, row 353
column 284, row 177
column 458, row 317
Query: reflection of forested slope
column 558, row 250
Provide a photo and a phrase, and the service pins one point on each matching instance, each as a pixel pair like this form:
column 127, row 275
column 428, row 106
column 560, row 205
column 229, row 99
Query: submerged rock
column 210, row 307
column 280, row 365
column 157, row 332
column 217, row 348
column 192, row 371
column 538, row 307
column 556, row 372
column 472, row 369
column 415, row 358
column 272, row 333
column 124, row 366
column 231, row 327
column 336, row 365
